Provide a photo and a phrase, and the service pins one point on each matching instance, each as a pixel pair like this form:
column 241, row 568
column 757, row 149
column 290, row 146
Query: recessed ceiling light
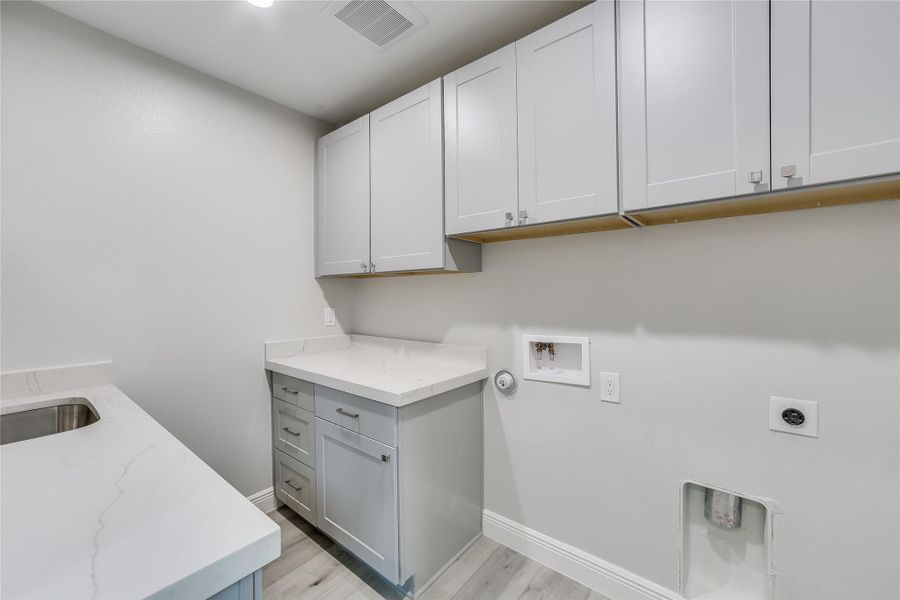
column 262, row 3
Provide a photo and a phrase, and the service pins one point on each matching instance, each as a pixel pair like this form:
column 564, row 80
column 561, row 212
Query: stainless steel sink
column 55, row 416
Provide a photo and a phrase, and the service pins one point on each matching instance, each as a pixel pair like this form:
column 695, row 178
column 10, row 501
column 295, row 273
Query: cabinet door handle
column 364, row 266
column 290, row 431
column 296, row 488
column 341, row 411
column 789, row 172
column 385, row 457
column 284, row 388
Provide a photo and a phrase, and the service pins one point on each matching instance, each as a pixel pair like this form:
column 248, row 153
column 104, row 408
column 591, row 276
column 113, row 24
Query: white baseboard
column 264, row 500
column 589, row 570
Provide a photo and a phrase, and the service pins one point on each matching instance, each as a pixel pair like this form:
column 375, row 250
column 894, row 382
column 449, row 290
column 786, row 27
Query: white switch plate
column 609, row 387
column 810, row 409
column 329, row 316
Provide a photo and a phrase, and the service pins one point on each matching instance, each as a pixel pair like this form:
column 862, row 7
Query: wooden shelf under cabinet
column 584, row 225
column 886, row 187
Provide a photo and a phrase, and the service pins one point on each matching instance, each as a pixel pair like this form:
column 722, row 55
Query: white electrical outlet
column 789, row 415
column 329, row 316
column 609, row 387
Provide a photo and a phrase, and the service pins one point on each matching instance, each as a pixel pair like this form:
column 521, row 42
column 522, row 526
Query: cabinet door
column 694, row 100
column 357, row 495
column 480, row 144
column 342, row 200
column 835, row 90
column 408, row 182
column 567, row 117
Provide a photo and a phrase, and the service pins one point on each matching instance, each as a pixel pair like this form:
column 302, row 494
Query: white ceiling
column 299, row 56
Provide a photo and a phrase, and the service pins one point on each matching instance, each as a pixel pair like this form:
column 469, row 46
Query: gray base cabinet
column 248, row 588
column 400, row 488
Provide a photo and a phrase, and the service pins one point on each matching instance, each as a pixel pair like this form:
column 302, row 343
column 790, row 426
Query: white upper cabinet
column 408, row 182
column 480, row 142
column 566, row 77
column 694, row 100
column 342, row 200
column 835, row 90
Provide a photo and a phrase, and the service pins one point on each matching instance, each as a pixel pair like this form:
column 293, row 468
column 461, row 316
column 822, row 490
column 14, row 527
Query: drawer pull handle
column 341, row 411
column 296, row 488
column 289, row 390
column 290, row 431
column 385, row 457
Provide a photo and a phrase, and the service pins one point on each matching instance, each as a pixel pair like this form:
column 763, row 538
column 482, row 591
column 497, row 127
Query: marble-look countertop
column 121, row 509
column 394, row 372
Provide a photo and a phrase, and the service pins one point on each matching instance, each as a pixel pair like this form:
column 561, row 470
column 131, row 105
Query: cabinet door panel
column 408, row 182
column 357, row 495
column 835, row 89
column 694, row 92
column 480, row 141
column 567, row 117
column 342, row 200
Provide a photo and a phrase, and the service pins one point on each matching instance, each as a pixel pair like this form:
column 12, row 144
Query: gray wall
column 156, row 217
column 704, row 322
column 162, row 219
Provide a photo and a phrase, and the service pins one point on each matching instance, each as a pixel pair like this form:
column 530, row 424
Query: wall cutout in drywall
column 726, row 542
column 556, row 358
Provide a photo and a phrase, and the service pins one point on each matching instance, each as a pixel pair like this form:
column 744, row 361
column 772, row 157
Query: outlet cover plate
column 329, row 316
column 609, row 387
column 810, row 409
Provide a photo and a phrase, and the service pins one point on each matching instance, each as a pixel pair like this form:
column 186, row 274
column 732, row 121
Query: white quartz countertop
column 121, row 509
column 391, row 371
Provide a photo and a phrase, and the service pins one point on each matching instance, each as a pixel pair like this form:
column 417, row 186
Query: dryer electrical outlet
column 789, row 415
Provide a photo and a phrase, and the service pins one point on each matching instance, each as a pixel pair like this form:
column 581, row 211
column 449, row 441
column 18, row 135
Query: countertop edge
column 391, row 399
column 220, row 574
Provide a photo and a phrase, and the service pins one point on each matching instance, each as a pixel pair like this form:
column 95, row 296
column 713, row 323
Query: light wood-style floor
column 313, row 567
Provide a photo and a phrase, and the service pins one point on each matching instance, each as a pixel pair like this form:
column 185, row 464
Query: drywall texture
column 159, row 218
column 704, row 321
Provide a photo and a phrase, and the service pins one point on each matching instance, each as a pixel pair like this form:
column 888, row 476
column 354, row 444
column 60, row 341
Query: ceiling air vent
column 378, row 21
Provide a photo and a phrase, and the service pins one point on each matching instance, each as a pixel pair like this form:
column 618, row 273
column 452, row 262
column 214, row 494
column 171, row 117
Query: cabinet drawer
column 294, row 432
column 293, row 391
column 367, row 417
column 295, row 485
